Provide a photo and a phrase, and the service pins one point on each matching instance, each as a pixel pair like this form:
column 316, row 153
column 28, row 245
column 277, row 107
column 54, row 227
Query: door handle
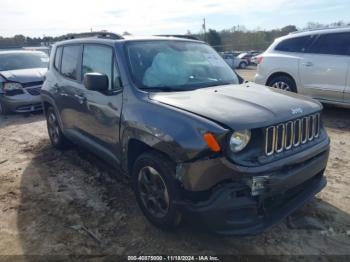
column 308, row 64
column 80, row 98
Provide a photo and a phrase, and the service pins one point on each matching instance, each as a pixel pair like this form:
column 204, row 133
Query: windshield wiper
column 164, row 89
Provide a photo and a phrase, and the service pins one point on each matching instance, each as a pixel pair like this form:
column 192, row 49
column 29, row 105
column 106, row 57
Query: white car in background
column 314, row 63
column 234, row 61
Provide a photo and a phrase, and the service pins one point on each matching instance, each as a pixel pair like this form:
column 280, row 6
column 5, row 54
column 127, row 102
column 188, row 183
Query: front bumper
column 236, row 207
column 21, row 103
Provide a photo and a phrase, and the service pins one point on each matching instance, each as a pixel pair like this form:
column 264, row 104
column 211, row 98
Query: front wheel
column 155, row 189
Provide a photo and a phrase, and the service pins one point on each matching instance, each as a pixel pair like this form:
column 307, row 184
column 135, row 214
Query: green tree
column 288, row 29
column 214, row 39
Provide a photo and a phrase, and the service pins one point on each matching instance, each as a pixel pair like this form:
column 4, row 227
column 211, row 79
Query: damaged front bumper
column 260, row 198
column 21, row 103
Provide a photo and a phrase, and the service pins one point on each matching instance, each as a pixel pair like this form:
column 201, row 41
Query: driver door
column 102, row 110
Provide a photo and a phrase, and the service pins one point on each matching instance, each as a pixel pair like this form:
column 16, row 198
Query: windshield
column 15, row 61
column 177, row 66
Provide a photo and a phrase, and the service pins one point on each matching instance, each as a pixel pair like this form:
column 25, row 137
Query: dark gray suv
column 196, row 141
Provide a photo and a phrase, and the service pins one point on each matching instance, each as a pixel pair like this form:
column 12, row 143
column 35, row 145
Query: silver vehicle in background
column 21, row 77
column 234, row 61
column 314, row 63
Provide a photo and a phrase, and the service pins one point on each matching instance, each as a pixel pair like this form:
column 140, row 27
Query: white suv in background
column 314, row 63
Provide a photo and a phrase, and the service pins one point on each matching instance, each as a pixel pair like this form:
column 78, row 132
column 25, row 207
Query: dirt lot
column 54, row 202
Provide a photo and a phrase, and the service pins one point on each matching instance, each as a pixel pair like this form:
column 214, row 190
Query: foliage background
column 237, row 38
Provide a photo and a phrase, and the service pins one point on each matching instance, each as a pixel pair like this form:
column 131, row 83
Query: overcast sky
column 56, row 17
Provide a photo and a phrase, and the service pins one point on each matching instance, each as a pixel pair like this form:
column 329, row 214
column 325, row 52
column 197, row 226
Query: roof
column 126, row 38
column 317, row 31
column 323, row 30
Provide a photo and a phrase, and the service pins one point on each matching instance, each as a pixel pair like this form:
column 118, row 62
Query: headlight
column 239, row 140
column 11, row 86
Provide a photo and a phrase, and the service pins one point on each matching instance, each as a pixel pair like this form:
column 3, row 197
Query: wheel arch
column 278, row 74
column 48, row 101
column 136, row 142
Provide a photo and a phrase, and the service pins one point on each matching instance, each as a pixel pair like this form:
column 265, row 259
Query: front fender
column 174, row 132
column 153, row 138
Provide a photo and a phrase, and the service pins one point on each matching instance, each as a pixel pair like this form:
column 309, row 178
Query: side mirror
column 96, row 82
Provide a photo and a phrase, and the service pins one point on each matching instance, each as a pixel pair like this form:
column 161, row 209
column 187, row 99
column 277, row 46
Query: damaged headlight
column 239, row 140
column 9, row 86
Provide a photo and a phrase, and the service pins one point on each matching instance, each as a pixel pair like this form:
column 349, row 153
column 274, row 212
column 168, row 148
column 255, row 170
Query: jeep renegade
column 196, row 141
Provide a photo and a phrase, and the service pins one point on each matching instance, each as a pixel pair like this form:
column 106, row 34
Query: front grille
column 285, row 136
column 28, row 84
column 34, row 91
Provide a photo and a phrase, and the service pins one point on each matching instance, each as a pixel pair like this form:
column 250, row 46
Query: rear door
column 323, row 67
column 69, row 88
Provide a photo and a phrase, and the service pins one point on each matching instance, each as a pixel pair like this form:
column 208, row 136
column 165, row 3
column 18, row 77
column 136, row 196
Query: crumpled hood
column 241, row 106
column 24, row 75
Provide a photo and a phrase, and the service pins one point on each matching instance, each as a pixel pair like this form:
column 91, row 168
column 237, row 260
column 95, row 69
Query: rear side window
column 70, row 57
column 332, row 44
column 297, row 44
column 58, row 56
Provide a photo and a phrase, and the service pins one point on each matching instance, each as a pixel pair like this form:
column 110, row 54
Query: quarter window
column 58, row 56
column 332, row 44
column 70, row 59
column 297, row 44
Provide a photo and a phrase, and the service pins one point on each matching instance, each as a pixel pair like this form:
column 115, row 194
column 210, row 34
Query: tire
column 243, row 65
column 153, row 178
column 58, row 140
column 284, row 83
column 3, row 109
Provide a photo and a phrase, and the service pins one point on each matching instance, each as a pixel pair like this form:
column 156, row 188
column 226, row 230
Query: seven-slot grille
column 291, row 134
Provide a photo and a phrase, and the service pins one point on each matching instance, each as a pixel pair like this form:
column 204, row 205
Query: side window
column 332, row 44
column 297, row 44
column 58, row 56
column 70, row 58
column 99, row 59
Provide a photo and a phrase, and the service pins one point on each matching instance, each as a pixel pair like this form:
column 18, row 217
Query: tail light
column 259, row 59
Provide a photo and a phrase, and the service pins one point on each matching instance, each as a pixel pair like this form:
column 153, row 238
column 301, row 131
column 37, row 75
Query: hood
column 24, row 75
column 241, row 106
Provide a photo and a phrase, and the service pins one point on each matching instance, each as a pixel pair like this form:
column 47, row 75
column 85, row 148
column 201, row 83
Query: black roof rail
column 320, row 28
column 192, row 37
column 102, row 34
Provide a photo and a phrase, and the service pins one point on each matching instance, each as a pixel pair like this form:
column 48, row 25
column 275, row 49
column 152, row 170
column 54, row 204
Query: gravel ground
column 69, row 202
column 247, row 74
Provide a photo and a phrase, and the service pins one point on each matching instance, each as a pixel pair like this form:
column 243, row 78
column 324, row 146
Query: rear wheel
column 155, row 189
column 284, row 83
column 57, row 138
